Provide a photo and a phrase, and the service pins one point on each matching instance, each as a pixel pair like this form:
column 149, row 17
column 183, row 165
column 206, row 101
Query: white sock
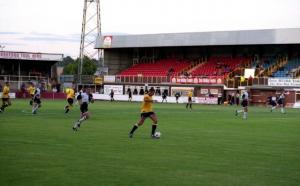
column 82, row 119
column 245, row 115
column 239, row 111
column 273, row 108
column 282, row 110
column 35, row 108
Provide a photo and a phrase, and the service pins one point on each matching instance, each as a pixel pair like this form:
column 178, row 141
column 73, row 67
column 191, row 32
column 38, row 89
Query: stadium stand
column 288, row 69
column 165, row 67
column 219, row 66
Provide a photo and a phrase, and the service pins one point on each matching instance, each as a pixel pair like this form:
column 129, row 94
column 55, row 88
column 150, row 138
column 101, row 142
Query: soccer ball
column 157, row 134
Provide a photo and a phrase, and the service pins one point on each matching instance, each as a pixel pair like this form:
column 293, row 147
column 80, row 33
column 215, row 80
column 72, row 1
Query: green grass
column 208, row 146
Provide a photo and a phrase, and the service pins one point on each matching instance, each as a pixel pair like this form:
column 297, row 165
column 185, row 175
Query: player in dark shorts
column 164, row 96
column 5, row 97
column 281, row 103
column 273, row 103
column 70, row 98
column 129, row 94
column 189, row 103
column 112, row 95
column 83, row 99
column 36, row 100
column 146, row 112
column 177, row 95
column 244, row 105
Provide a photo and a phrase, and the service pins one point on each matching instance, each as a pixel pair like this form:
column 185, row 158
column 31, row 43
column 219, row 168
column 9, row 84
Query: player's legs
column 36, row 104
column 153, row 117
column 69, row 105
column 245, row 112
column 282, row 109
column 274, row 105
column 5, row 103
column 31, row 100
column 137, row 125
column 84, row 116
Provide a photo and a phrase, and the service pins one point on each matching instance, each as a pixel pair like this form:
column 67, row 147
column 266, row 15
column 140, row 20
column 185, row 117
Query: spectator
column 142, row 92
column 111, row 95
column 135, row 91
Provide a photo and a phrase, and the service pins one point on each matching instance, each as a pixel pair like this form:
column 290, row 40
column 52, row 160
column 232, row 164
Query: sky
column 54, row 26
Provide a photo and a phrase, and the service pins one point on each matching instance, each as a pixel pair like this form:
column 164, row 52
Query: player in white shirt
column 280, row 102
column 36, row 100
column 245, row 101
column 83, row 99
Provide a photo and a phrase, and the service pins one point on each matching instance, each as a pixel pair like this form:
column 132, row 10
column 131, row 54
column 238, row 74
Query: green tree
column 66, row 60
column 89, row 67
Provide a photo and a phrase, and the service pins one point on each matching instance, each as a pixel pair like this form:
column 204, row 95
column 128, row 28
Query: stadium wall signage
column 198, row 80
column 30, row 56
column 284, row 82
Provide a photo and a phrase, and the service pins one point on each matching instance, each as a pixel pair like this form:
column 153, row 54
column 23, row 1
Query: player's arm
column 91, row 99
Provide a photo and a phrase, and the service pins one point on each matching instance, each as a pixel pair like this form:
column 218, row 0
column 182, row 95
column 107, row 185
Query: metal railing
column 17, row 81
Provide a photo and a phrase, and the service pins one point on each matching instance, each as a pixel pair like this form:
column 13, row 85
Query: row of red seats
column 158, row 68
column 218, row 66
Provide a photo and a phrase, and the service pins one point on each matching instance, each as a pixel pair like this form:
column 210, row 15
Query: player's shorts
column 273, row 103
column 245, row 103
column 37, row 100
column 280, row 102
column 146, row 114
column 84, row 107
column 70, row 101
column 190, row 99
column 5, row 99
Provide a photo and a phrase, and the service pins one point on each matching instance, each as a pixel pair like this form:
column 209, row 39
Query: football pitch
column 208, row 146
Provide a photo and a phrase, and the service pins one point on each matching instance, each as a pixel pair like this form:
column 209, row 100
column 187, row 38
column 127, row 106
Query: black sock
column 187, row 105
column 67, row 110
column 190, row 106
column 153, row 129
column 133, row 129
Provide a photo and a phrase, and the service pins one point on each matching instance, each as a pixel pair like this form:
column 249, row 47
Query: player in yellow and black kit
column 146, row 111
column 190, row 95
column 31, row 90
column 70, row 99
column 5, row 97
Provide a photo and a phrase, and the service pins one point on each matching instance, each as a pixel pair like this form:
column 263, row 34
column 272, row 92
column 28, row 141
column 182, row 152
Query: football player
column 5, row 97
column 31, row 90
column 36, row 100
column 70, row 98
column 245, row 101
column 146, row 112
column 189, row 103
column 83, row 100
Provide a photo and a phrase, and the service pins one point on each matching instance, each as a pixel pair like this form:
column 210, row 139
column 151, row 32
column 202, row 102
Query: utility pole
column 91, row 28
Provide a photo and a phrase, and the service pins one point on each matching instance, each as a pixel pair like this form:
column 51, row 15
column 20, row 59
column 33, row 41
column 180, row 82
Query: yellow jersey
column 147, row 104
column 31, row 90
column 190, row 94
column 5, row 93
column 70, row 93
